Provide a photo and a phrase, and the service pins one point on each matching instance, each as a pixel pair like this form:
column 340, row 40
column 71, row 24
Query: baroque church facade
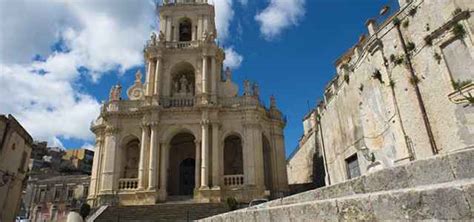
column 186, row 132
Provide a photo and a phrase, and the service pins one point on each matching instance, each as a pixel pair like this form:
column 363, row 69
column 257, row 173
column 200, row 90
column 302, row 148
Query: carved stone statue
column 272, row 101
column 138, row 76
column 256, row 90
column 176, row 87
column 161, row 36
column 115, row 93
column 247, row 90
column 228, row 74
column 205, row 35
column 153, row 38
column 184, row 83
column 191, row 88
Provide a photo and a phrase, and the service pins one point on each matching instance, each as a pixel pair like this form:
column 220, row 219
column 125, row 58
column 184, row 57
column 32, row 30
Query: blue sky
column 294, row 65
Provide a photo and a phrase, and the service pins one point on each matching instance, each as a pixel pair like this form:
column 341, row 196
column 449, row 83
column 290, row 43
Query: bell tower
column 183, row 60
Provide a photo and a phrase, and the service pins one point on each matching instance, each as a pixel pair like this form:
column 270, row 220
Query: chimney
column 371, row 26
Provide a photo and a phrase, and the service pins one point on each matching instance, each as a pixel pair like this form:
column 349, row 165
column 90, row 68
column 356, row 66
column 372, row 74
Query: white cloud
column 279, row 15
column 100, row 35
column 233, row 59
column 244, row 2
column 224, row 16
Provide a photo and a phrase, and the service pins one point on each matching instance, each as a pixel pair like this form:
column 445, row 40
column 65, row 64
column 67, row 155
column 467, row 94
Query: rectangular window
column 352, row 165
column 70, row 193
column 57, row 193
column 22, row 166
column 459, row 60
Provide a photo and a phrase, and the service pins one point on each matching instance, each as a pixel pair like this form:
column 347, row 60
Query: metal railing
column 234, row 180
column 128, row 184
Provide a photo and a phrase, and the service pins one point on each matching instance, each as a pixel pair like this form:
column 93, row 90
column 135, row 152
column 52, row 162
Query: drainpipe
column 421, row 104
column 324, row 151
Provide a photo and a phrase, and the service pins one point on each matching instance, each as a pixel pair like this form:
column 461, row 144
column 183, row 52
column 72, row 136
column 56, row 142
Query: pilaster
column 145, row 141
column 205, row 154
column 154, row 157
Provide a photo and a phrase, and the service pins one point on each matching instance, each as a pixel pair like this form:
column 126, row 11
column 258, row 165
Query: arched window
column 185, row 30
column 267, row 163
column 233, row 157
column 131, row 159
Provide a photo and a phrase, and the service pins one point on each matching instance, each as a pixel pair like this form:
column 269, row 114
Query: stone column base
column 207, row 195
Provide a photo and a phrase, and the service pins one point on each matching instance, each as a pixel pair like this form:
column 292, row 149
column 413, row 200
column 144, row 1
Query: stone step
column 442, row 201
column 162, row 212
column 434, row 170
column 408, row 191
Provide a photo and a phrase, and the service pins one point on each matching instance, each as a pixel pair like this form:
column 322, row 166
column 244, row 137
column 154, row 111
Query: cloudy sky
column 59, row 58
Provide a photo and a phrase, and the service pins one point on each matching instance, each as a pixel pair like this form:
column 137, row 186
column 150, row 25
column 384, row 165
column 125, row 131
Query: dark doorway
column 186, row 176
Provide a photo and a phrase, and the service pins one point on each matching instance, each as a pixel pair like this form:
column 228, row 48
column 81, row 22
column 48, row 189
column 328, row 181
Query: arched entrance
column 182, row 165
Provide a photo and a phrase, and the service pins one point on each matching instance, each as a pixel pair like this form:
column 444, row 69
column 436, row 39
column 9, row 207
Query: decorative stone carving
column 256, row 90
column 272, row 102
column 228, row 74
column 136, row 91
column 115, row 92
column 162, row 36
column 247, row 89
column 153, row 38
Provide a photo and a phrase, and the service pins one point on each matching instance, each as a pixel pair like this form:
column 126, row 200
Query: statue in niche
column 184, row 83
column 191, row 88
column 256, row 90
column 247, row 90
column 228, row 74
column 176, row 87
column 161, row 36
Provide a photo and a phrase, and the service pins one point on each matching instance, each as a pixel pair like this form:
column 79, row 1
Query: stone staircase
column 438, row 188
column 161, row 212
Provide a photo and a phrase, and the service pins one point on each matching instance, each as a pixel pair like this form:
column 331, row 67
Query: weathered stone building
column 185, row 131
column 15, row 149
column 51, row 199
column 403, row 92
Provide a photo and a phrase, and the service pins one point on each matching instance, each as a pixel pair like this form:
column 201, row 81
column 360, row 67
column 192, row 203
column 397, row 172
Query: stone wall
column 387, row 105
column 436, row 188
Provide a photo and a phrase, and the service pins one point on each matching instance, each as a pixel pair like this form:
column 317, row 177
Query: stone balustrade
column 234, row 180
column 128, row 184
column 181, row 45
column 239, row 101
column 171, row 102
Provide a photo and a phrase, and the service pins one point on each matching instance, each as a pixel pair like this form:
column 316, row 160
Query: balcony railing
column 181, row 45
column 128, row 184
column 171, row 102
column 234, row 180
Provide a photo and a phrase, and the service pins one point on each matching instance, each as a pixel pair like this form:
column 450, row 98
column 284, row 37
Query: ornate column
column 148, row 79
column 154, row 157
column 95, row 168
column 204, row 74
column 215, row 156
column 108, row 168
column 143, row 152
column 156, row 90
column 164, row 170
column 198, row 164
column 214, row 78
column 204, row 154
